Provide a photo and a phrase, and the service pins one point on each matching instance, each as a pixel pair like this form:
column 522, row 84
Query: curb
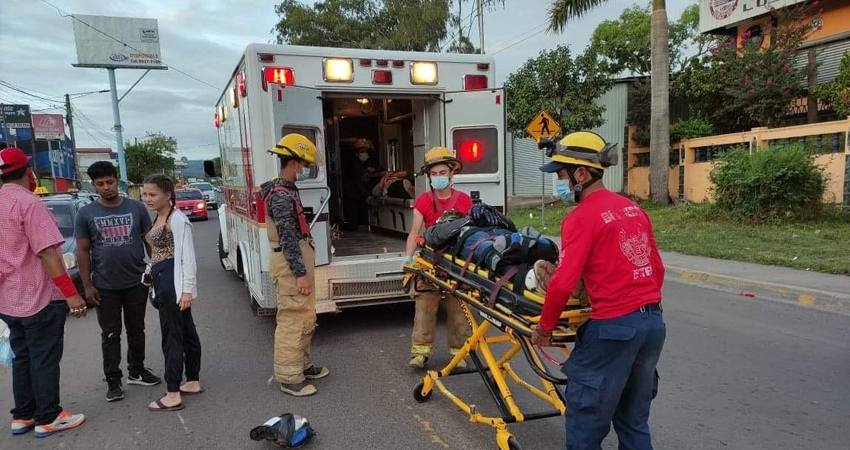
column 810, row 298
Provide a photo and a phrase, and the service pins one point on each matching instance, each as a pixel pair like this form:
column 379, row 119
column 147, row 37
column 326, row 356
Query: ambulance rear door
column 475, row 129
column 298, row 109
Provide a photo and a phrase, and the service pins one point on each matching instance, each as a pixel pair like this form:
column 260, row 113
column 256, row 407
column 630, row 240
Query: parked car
column 209, row 193
column 192, row 203
column 64, row 208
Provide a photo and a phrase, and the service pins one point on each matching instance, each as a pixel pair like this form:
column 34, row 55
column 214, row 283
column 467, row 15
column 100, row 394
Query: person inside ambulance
column 365, row 173
column 608, row 240
column 440, row 166
column 292, row 265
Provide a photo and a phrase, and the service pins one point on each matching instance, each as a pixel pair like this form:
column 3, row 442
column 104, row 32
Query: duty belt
column 651, row 307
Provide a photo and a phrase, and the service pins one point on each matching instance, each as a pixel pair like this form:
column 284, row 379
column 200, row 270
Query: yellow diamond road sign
column 543, row 126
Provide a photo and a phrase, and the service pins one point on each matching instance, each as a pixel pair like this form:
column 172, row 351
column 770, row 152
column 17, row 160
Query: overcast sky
column 204, row 38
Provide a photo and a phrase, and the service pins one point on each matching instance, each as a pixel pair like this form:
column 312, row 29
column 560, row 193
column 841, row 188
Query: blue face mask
column 304, row 174
column 439, row 183
column 562, row 188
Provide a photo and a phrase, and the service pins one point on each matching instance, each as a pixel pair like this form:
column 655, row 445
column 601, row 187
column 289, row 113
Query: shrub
column 837, row 92
column 689, row 129
column 769, row 185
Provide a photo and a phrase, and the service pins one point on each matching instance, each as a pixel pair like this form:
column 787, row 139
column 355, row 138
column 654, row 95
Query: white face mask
column 363, row 156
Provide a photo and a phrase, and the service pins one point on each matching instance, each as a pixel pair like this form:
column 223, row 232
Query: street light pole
column 119, row 132
column 69, row 117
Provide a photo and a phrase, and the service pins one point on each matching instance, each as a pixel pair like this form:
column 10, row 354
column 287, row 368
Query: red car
column 192, row 203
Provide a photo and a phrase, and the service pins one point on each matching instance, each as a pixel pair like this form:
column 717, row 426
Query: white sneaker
column 64, row 421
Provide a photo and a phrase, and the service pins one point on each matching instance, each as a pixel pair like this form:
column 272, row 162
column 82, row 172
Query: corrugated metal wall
column 524, row 159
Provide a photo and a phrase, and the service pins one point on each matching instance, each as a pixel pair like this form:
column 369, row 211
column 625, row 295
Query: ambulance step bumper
column 356, row 290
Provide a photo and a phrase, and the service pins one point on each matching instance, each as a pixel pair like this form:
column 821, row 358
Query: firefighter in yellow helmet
column 608, row 242
column 292, row 265
column 440, row 166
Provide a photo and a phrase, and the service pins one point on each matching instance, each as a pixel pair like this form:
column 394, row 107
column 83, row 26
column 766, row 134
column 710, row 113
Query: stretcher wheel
column 513, row 444
column 417, row 393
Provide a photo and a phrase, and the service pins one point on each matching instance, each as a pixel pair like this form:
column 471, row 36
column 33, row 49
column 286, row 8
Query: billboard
column 714, row 14
column 138, row 47
column 48, row 126
column 15, row 116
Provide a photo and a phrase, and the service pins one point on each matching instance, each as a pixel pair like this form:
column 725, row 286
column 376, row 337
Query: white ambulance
column 404, row 103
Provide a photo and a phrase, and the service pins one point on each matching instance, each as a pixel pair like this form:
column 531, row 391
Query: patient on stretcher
column 491, row 241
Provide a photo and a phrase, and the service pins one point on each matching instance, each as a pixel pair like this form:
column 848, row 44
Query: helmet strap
column 579, row 187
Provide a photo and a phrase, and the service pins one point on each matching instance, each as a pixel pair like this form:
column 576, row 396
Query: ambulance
column 403, row 103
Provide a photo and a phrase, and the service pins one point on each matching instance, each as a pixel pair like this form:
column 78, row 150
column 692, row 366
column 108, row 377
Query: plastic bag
column 6, row 355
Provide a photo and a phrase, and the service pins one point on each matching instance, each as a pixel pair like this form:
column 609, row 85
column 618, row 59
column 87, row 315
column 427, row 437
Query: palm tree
column 562, row 11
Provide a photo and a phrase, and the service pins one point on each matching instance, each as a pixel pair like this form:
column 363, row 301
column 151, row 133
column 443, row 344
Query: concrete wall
column 697, row 185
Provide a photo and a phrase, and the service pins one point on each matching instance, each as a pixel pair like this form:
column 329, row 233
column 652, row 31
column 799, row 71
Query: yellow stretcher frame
column 495, row 371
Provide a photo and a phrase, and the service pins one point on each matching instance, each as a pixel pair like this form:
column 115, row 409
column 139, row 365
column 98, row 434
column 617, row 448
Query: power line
column 455, row 34
column 541, row 30
column 14, row 88
column 65, row 14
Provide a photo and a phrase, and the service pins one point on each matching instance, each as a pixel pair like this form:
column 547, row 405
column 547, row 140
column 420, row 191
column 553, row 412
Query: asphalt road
column 737, row 373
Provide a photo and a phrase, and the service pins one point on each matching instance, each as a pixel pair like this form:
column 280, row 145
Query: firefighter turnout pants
column 425, row 323
column 296, row 317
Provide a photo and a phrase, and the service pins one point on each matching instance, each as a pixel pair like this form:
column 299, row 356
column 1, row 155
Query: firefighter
column 440, row 166
column 292, row 265
column 608, row 241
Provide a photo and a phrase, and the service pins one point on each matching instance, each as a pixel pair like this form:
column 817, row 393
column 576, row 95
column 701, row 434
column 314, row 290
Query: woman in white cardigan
column 173, row 276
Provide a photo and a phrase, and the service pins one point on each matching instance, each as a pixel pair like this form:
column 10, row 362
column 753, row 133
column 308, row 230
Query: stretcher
column 491, row 304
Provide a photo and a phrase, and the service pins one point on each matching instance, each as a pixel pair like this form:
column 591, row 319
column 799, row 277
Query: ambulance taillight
column 474, row 82
column 278, row 75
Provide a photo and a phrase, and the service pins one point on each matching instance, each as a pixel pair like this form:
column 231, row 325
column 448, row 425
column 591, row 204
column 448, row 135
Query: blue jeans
column 612, row 378
column 38, row 343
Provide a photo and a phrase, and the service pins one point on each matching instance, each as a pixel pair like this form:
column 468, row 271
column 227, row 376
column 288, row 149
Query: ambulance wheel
column 513, row 444
column 417, row 393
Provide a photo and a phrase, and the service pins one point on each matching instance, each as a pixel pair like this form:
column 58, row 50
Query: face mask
column 562, row 188
column 303, row 175
column 363, row 156
column 440, row 183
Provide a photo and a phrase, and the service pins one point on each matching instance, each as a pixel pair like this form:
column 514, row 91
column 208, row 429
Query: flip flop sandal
column 161, row 407
column 182, row 392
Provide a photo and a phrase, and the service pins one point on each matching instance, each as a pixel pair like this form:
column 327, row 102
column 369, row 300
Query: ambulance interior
column 371, row 207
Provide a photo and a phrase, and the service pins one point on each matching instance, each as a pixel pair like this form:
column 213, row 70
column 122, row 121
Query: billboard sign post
column 117, row 43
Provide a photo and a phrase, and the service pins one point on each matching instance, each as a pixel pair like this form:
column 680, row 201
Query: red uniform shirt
column 608, row 240
column 26, row 228
column 459, row 201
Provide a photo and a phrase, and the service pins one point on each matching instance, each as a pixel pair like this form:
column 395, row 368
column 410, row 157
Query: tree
column 154, row 154
column 837, row 92
column 418, row 25
column 747, row 83
column 563, row 86
column 562, row 11
column 623, row 44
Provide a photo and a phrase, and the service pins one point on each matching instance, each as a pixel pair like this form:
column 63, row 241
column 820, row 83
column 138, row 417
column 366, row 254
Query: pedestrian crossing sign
column 543, row 126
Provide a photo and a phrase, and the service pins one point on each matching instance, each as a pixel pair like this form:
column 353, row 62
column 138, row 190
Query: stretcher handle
column 541, row 372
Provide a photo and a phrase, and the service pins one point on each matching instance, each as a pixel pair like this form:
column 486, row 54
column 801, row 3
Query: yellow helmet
column 582, row 148
column 362, row 143
column 295, row 145
column 441, row 155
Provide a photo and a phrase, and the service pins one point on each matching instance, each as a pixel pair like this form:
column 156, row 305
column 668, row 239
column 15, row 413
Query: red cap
column 12, row 159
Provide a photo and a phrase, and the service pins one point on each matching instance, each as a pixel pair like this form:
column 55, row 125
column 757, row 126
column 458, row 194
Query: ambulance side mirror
column 209, row 169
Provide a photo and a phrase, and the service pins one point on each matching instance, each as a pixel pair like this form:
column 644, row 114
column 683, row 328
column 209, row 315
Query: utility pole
column 481, row 25
column 69, row 117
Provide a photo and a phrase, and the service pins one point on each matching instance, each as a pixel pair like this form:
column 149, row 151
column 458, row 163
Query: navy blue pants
column 38, row 343
column 181, row 345
column 612, row 378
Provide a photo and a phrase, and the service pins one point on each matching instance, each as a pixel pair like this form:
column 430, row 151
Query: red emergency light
column 474, row 82
column 216, row 120
column 398, row 63
column 240, row 81
column 382, row 63
column 278, row 75
column 471, row 151
column 366, row 62
column 483, row 66
column 382, row 77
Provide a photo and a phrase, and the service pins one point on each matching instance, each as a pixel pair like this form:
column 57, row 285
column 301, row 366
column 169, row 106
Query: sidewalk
column 811, row 289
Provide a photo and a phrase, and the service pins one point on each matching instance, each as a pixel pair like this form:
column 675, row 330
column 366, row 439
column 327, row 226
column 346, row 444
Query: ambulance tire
column 417, row 393
column 221, row 253
column 240, row 271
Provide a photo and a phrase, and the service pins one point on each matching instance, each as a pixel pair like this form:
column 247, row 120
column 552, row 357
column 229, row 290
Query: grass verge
column 702, row 230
